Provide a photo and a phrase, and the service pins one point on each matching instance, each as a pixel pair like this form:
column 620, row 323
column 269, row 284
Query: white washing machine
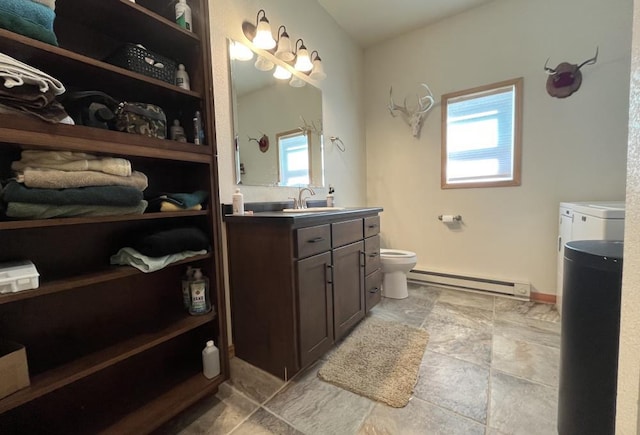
column 595, row 220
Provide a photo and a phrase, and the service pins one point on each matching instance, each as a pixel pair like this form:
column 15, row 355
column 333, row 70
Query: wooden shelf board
column 86, row 366
column 60, row 62
column 36, row 133
column 71, row 283
column 135, row 23
column 38, row 223
column 174, row 401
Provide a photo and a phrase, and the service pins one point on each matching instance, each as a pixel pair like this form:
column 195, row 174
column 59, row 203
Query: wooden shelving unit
column 92, row 330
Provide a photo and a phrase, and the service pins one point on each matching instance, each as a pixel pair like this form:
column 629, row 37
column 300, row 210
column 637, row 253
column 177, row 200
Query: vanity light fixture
column 264, row 38
column 263, row 64
column 284, row 50
column 239, row 51
column 303, row 63
column 318, row 71
column 282, row 73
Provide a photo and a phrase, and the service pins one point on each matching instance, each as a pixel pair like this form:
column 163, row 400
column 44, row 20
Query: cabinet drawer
column 371, row 254
column 346, row 232
column 371, row 226
column 372, row 286
column 313, row 240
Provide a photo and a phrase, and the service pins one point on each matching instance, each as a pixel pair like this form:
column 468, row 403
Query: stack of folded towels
column 51, row 184
column 157, row 249
column 25, row 90
column 32, row 18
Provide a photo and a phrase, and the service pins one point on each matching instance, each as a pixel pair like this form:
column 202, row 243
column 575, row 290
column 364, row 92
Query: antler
column 548, row 70
column 590, row 61
column 393, row 106
column 421, row 100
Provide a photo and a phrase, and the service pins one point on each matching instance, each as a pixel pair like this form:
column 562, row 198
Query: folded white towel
column 131, row 257
column 16, row 73
column 69, row 161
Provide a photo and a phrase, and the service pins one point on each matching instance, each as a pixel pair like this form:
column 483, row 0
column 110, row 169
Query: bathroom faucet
column 302, row 202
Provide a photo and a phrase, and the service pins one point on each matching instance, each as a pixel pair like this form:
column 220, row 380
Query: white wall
column 573, row 149
column 342, row 93
column 629, row 359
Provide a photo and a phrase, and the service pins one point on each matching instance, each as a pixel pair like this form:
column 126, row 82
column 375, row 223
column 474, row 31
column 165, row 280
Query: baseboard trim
column 543, row 297
column 232, row 351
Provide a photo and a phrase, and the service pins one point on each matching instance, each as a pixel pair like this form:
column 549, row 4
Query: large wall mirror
column 277, row 123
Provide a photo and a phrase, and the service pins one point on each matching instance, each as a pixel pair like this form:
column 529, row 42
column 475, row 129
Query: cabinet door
column 348, row 287
column 315, row 307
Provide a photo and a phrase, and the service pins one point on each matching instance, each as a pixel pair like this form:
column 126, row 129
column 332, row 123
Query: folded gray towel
column 54, row 179
column 123, row 196
column 23, row 210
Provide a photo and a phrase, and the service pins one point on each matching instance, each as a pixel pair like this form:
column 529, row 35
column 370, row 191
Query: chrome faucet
column 302, row 202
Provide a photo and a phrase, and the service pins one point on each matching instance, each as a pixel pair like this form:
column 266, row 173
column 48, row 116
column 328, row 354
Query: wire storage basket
column 137, row 58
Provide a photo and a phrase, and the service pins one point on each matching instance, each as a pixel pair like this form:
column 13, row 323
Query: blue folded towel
column 33, row 12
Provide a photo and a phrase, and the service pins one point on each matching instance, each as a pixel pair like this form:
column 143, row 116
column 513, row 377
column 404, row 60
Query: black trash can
column 590, row 335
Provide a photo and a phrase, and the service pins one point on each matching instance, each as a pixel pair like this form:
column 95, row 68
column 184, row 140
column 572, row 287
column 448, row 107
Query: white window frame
column 515, row 146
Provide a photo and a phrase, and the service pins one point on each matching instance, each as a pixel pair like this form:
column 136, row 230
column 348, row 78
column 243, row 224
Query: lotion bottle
column 183, row 15
column 182, row 78
column 238, row 202
column 210, row 360
column 199, row 290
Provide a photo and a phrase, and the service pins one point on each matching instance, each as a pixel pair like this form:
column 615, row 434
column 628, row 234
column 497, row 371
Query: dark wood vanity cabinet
column 310, row 285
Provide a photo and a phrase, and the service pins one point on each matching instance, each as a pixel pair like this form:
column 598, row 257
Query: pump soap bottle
column 210, row 360
column 199, row 290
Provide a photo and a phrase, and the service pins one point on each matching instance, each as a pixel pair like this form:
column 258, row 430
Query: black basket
column 143, row 61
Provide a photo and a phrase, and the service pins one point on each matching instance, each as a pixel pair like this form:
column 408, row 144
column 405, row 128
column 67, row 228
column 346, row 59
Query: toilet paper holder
column 450, row 218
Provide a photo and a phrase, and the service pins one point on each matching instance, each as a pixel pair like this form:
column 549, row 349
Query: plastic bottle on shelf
column 182, row 78
column 238, row 202
column 183, row 15
column 210, row 360
column 199, row 291
column 176, row 132
column 198, row 131
column 186, row 293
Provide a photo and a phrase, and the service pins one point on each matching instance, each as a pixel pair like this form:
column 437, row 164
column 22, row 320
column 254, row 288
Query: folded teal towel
column 33, row 12
column 123, row 196
column 17, row 24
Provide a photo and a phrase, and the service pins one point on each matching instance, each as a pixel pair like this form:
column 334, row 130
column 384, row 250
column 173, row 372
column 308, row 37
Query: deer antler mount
column 413, row 117
column 566, row 78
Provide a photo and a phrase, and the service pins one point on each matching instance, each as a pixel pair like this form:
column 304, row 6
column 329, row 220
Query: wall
column 629, row 359
column 573, row 149
column 342, row 93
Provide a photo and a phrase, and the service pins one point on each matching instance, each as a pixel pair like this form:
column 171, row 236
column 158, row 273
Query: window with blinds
column 481, row 136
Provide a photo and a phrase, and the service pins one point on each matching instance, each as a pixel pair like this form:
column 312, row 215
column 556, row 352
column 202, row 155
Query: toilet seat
column 396, row 253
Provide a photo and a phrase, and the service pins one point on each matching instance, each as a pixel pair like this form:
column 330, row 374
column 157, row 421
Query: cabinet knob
column 374, row 290
column 316, row 240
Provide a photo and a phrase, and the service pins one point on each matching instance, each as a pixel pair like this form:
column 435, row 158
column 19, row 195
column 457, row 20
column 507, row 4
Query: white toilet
column 395, row 266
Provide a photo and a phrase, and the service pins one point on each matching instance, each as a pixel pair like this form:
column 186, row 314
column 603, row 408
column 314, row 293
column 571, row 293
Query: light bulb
column 263, row 64
column 282, row 73
column 318, row 70
column 264, row 38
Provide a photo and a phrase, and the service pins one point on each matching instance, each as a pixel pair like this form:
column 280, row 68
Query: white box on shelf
column 16, row 276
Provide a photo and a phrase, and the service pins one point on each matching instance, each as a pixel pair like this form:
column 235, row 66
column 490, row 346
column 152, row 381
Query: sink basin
column 311, row 209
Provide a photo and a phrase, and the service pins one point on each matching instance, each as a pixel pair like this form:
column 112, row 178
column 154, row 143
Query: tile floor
column 490, row 367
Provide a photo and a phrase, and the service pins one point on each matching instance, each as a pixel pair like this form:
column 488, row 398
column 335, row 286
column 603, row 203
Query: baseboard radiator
column 520, row 290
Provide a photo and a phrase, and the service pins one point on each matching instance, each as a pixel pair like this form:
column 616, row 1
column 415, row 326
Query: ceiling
column 372, row 21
